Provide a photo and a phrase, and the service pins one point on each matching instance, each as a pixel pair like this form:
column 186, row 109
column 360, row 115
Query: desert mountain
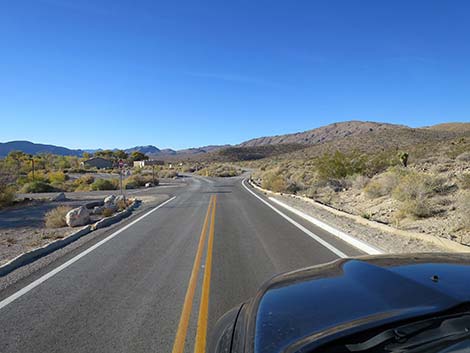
column 36, row 148
column 323, row 134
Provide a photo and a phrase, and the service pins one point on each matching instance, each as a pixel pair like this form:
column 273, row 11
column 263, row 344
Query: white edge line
column 298, row 225
column 55, row 271
column 359, row 244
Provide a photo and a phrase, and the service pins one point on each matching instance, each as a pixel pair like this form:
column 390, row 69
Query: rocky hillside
column 452, row 127
column 325, row 133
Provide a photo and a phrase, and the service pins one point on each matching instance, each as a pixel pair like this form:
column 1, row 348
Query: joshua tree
column 403, row 157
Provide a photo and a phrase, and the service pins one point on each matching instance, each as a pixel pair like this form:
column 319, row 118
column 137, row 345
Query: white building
column 150, row 162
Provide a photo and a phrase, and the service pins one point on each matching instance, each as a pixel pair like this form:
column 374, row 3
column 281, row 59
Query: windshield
column 436, row 335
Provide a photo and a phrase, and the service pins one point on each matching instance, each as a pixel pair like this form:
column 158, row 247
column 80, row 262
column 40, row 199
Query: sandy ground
column 385, row 241
column 22, row 227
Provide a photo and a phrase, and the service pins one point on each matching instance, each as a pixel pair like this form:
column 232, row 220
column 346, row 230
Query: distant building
column 150, row 162
column 97, row 162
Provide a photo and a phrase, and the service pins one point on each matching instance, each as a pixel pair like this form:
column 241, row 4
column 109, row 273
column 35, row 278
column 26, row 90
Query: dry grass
column 7, row 195
column 415, row 208
column 463, row 211
column 55, row 218
column 382, row 184
column 463, row 157
column 107, row 212
column 464, row 181
column 274, row 181
column 122, row 205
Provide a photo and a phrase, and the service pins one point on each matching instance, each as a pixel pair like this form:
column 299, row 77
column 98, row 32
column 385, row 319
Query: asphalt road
column 148, row 286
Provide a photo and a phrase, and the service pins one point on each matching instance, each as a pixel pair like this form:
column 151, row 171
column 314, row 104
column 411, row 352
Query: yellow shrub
column 55, row 218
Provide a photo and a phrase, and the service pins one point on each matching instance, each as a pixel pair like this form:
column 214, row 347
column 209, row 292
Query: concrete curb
column 33, row 255
column 445, row 243
column 105, row 222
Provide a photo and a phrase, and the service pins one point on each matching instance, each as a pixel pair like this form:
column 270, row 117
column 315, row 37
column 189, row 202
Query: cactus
column 403, row 157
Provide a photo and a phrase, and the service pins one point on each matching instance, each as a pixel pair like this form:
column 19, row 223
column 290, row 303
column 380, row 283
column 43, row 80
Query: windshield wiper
column 413, row 338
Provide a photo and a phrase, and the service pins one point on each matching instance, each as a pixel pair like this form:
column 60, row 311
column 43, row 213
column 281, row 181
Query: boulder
column 109, row 200
column 148, row 185
column 59, row 197
column 97, row 210
column 77, row 217
column 119, row 198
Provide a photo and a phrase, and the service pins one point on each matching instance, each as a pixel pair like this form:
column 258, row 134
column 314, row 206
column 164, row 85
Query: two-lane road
column 128, row 293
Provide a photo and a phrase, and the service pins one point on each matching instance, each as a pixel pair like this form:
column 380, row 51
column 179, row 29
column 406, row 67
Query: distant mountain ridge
column 36, row 148
column 150, row 150
column 341, row 132
column 323, row 134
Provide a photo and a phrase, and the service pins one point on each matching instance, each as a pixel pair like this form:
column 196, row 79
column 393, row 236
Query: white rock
column 119, row 198
column 109, row 200
column 77, row 217
column 148, row 185
column 97, row 210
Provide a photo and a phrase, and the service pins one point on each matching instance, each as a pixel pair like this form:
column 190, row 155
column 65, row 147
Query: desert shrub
column 7, row 195
column 292, row 187
column 39, row 175
column 463, row 157
column 168, row 173
column 131, row 185
column 121, row 205
column 83, row 183
column 359, row 181
column 86, row 179
column 339, row 165
column 383, row 184
column 107, row 212
column 416, row 185
column 136, row 181
column 22, row 179
column 57, row 177
column 104, row 184
column 464, row 181
column 414, row 192
column 420, row 207
column 274, row 181
column 311, row 192
column 38, row 186
column 463, row 210
column 55, row 218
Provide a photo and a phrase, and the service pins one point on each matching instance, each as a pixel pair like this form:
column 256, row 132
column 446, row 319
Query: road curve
column 128, row 294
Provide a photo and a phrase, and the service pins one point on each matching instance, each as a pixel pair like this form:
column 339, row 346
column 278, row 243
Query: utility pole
column 153, row 175
column 32, row 166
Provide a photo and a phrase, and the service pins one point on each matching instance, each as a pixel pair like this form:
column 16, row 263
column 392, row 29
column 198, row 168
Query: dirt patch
column 388, row 242
column 15, row 241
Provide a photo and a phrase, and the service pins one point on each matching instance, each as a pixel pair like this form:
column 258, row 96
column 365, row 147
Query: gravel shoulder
column 386, row 241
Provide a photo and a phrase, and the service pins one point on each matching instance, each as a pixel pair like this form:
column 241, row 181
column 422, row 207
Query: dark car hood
column 320, row 301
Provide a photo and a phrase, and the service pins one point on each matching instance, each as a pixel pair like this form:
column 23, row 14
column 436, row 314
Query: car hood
column 308, row 305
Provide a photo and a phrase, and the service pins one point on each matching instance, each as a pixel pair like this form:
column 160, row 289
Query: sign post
column 121, row 164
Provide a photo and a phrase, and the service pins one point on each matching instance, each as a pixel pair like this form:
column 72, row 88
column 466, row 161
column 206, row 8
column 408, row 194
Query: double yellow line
column 180, row 339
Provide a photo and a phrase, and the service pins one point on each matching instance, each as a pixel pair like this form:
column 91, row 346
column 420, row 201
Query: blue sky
column 110, row 73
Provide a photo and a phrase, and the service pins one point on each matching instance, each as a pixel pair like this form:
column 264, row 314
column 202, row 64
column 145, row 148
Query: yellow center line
column 180, row 339
column 200, row 346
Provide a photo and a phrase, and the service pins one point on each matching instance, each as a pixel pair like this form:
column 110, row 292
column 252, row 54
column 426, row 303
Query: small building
column 150, row 162
column 97, row 162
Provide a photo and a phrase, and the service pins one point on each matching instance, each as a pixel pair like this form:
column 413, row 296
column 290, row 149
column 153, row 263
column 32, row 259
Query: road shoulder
column 381, row 236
